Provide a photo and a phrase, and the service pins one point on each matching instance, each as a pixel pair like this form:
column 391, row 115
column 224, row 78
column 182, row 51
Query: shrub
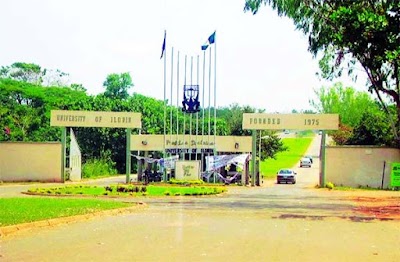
column 185, row 182
column 330, row 185
column 121, row 189
column 97, row 168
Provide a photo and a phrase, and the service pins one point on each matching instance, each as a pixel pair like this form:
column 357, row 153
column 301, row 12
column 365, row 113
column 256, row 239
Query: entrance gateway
column 65, row 119
column 261, row 121
column 251, row 121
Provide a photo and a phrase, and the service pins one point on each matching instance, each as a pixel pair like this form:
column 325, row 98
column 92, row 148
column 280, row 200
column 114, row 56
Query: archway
column 261, row 121
column 65, row 119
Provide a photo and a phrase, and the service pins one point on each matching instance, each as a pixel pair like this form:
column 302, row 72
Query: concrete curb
column 9, row 230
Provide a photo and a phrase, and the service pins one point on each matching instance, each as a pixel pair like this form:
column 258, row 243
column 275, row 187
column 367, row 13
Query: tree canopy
column 345, row 101
column 117, row 85
column 351, row 34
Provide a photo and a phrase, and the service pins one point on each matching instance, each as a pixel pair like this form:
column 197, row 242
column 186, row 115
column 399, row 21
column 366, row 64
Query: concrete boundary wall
column 25, row 161
column 356, row 166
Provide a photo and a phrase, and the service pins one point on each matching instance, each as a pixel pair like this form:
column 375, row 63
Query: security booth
column 196, row 153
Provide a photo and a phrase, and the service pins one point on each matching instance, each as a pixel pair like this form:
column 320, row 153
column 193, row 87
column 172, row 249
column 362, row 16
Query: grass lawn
column 297, row 147
column 21, row 210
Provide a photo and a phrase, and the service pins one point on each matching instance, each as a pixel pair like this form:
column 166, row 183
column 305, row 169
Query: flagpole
column 172, row 82
column 184, row 115
column 203, row 93
column 209, row 98
column 165, row 96
column 215, row 93
column 197, row 113
column 191, row 114
column 177, row 99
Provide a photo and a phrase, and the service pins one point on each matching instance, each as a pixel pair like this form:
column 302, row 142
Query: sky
column 262, row 61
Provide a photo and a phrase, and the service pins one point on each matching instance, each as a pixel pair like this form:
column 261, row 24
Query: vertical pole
column 322, row 160
column 253, row 159
column 177, row 98
column 172, row 82
column 383, row 173
column 165, row 105
column 184, row 113
column 209, row 110
column 259, row 148
column 259, row 162
column 215, row 94
column 203, row 106
column 197, row 113
column 139, row 163
column 128, row 155
column 63, row 152
column 209, row 98
column 191, row 114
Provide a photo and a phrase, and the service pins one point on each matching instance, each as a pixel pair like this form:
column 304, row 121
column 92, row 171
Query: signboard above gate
column 259, row 121
column 95, row 119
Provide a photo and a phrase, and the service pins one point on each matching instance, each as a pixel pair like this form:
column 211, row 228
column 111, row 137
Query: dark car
column 286, row 175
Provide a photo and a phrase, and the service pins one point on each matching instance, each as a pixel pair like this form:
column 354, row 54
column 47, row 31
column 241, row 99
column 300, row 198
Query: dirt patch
column 385, row 211
column 379, row 207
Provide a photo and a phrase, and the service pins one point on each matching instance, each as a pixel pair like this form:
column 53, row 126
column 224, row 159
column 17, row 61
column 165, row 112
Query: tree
column 271, row 144
column 78, row 87
column 117, row 85
column 26, row 72
column 351, row 33
column 373, row 129
column 55, row 78
column 345, row 101
column 342, row 136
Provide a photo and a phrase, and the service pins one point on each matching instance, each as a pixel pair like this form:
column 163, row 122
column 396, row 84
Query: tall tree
column 345, row 101
column 351, row 33
column 55, row 78
column 373, row 129
column 117, row 85
column 26, row 72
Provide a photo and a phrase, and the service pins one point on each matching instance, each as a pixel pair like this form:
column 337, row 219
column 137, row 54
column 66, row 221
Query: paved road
column 269, row 223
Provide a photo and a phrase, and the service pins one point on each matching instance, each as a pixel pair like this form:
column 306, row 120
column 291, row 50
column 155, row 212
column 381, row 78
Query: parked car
column 305, row 162
column 286, row 175
column 310, row 157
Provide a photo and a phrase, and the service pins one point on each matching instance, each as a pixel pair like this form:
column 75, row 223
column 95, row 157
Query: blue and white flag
column 163, row 45
column 210, row 40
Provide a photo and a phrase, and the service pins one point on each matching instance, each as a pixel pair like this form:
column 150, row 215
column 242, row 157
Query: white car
column 305, row 162
column 286, row 175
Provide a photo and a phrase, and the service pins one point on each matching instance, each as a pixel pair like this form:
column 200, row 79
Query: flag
column 210, row 40
column 163, row 45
